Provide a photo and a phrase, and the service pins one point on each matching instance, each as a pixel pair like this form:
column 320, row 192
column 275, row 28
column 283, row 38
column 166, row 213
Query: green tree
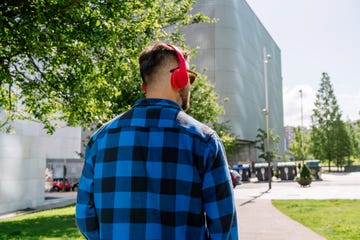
column 204, row 101
column 267, row 154
column 300, row 144
column 75, row 61
column 326, row 125
column 354, row 152
column 261, row 141
column 342, row 141
column 297, row 145
column 229, row 140
column 356, row 140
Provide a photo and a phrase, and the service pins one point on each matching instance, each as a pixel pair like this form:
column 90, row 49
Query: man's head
column 164, row 72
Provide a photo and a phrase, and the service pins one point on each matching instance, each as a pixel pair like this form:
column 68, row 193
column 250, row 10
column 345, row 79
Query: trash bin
column 315, row 168
column 261, row 170
column 287, row 170
column 243, row 170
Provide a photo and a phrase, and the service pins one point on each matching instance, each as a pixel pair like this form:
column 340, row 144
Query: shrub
column 305, row 177
column 305, row 172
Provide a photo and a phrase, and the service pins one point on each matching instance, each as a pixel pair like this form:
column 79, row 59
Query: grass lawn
column 51, row 224
column 332, row 219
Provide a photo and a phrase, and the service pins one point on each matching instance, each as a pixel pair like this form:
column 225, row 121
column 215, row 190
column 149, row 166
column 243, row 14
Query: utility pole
column 266, row 114
column 302, row 126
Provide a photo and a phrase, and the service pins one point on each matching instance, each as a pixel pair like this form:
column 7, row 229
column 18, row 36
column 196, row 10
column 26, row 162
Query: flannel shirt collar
column 157, row 102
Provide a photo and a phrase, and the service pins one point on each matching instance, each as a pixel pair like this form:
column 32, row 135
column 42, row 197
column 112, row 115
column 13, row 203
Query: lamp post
column 302, row 125
column 266, row 114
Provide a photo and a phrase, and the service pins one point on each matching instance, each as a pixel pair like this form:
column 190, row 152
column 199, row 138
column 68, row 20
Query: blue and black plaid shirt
column 155, row 173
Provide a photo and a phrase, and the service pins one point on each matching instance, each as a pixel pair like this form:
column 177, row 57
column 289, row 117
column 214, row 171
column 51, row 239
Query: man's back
column 153, row 172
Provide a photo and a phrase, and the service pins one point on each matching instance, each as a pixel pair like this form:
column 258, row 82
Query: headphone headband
column 179, row 77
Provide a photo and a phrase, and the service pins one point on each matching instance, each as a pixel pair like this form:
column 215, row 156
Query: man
column 154, row 172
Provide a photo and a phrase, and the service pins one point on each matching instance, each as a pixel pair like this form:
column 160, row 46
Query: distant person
column 154, row 172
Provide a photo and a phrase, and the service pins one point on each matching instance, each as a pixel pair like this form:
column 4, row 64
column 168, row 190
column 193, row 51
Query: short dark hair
column 154, row 56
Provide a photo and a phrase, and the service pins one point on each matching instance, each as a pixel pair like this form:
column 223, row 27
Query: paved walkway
column 257, row 217
column 260, row 220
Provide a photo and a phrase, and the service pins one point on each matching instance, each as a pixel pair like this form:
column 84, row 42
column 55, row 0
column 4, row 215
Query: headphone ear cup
column 179, row 78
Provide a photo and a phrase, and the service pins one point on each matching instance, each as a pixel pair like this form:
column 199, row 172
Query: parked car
column 58, row 184
column 235, row 178
column 75, row 187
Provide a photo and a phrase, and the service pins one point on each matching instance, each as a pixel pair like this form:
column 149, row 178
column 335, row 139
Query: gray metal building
column 232, row 51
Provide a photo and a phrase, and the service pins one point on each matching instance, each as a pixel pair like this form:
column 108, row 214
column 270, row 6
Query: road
column 332, row 185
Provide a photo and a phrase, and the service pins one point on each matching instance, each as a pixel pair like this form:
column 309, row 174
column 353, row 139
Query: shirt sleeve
column 219, row 202
column 86, row 218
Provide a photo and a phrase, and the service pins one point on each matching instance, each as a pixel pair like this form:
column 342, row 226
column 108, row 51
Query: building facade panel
column 23, row 160
column 237, row 44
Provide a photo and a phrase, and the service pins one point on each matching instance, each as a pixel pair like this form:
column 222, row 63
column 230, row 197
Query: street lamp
column 302, row 125
column 267, row 57
column 266, row 113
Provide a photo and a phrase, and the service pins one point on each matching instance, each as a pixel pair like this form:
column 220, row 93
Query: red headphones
column 179, row 77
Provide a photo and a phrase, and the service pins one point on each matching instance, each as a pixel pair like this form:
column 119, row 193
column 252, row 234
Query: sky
column 315, row 36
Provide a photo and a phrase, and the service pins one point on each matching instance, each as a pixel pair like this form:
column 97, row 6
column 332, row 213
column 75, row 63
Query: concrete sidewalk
column 52, row 200
column 258, row 219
